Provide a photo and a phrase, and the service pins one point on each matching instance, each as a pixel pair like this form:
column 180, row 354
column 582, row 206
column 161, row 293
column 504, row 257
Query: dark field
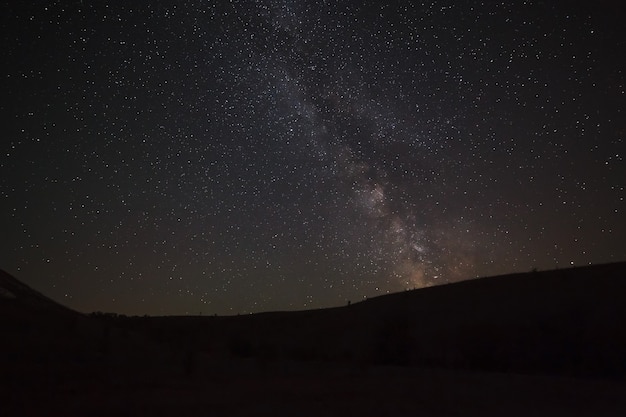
column 542, row 343
column 331, row 392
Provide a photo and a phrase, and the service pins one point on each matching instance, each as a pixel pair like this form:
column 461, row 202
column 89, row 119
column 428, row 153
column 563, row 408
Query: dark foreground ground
column 249, row 390
column 547, row 343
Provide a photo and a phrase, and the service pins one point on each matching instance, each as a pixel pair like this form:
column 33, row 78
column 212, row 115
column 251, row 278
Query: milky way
column 240, row 156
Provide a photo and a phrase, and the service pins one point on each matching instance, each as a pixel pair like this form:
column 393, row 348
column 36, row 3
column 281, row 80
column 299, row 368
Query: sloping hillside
column 563, row 322
column 13, row 289
column 568, row 322
column 441, row 342
column 43, row 340
column 25, row 312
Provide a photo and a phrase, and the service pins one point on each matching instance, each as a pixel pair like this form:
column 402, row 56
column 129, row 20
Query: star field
column 241, row 156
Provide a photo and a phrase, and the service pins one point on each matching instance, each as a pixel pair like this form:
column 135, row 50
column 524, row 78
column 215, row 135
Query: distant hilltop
column 560, row 322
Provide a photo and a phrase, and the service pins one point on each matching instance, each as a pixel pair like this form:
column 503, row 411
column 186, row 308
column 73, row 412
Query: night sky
column 242, row 156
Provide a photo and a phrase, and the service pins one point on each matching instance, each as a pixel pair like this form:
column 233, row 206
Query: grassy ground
column 280, row 391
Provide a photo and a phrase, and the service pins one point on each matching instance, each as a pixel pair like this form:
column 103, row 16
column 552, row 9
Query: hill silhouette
column 563, row 322
column 457, row 341
column 23, row 296
column 44, row 343
column 32, row 325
